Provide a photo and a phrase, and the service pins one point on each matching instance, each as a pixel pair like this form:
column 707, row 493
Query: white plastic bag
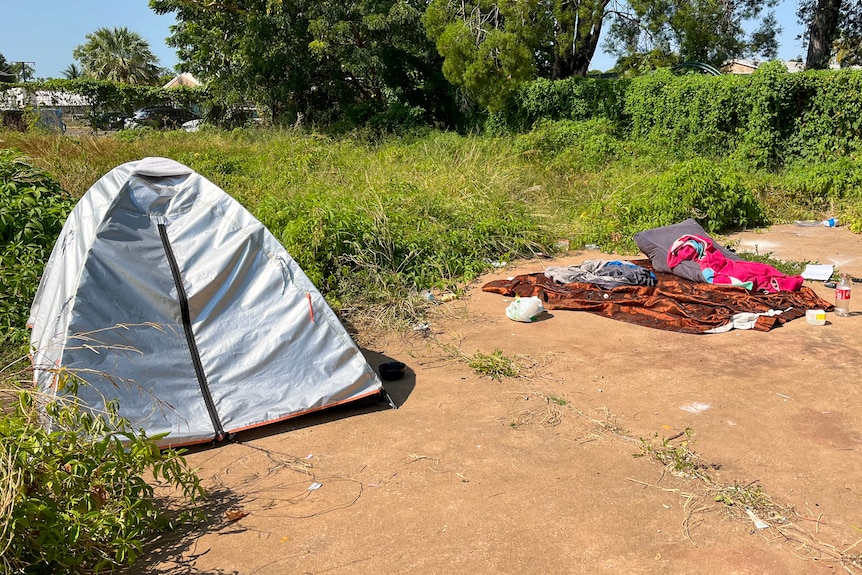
column 525, row 309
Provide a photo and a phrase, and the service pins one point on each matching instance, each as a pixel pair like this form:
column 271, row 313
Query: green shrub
column 573, row 145
column 383, row 246
column 495, row 365
column 33, row 208
column 822, row 120
column 570, row 99
column 687, row 115
column 832, row 188
column 74, row 500
column 714, row 195
column 770, row 103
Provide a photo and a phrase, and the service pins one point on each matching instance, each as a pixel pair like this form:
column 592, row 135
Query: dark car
column 160, row 117
column 110, row 121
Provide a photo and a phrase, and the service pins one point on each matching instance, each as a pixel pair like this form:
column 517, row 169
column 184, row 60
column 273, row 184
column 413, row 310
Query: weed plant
column 788, row 267
column 679, row 459
column 495, row 365
column 33, row 207
column 73, row 498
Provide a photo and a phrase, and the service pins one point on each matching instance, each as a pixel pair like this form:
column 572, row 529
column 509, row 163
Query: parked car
column 160, row 117
column 111, row 121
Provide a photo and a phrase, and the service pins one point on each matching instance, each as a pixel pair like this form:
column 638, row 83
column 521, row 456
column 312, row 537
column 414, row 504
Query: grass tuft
column 495, row 365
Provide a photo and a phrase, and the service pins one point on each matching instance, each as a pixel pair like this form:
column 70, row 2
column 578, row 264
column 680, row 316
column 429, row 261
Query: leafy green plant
column 687, row 114
column 573, row 145
column 33, row 208
column 713, row 194
column 820, row 118
column 572, row 98
column 558, row 400
column 750, row 495
column 73, row 498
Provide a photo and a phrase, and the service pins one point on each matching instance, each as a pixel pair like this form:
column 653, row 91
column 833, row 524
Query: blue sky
column 46, row 31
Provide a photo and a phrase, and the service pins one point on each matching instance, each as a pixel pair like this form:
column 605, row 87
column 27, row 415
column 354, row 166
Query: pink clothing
column 718, row 269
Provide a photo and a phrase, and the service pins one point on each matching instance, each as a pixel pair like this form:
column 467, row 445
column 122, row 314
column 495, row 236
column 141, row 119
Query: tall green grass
column 373, row 221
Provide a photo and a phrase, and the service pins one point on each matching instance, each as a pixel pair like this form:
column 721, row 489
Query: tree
column 314, row 59
column 708, row 31
column 15, row 71
column 380, row 54
column 833, row 28
column 491, row 48
column 117, row 54
column 72, row 72
column 6, row 73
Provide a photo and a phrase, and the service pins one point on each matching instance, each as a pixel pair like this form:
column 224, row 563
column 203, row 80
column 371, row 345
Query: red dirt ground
column 539, row 474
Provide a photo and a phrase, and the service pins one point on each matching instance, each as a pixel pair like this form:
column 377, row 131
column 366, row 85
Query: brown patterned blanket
column 674, row 304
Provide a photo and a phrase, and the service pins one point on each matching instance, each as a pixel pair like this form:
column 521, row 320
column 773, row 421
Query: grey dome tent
column 165, row 294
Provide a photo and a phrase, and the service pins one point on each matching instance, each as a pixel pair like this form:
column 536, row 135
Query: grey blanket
column 604, row 273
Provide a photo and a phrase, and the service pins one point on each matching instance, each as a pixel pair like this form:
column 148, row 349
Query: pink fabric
column 727, row 271
column 763, row 276
column 685, row 248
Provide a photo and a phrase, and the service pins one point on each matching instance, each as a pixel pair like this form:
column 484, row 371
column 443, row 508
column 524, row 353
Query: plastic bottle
column 842, row 296
column 830, row 223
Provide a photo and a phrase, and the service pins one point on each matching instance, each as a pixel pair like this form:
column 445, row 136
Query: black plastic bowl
column 391, row 370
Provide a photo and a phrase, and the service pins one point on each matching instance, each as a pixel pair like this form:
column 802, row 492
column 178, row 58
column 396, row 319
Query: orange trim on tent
column 273, row 421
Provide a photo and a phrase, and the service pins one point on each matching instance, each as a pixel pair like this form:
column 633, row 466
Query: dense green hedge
column 824, row 108
column 569, row 99
column 769, row 118
column 690, row 114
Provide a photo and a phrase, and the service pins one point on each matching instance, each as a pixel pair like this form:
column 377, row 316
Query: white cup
column 815, row 317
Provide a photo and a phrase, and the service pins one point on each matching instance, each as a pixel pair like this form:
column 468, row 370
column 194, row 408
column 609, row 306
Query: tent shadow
column 398, row 391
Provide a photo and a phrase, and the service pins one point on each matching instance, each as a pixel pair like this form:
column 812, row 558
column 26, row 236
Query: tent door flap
column 190, row 336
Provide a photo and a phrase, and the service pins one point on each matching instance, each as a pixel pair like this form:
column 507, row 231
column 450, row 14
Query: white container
column 815, row 317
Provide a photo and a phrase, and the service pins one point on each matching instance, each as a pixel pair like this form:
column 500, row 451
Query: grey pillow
column 655, row 243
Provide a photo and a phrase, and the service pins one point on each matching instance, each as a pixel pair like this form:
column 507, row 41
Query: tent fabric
column 674, row 304
column 165, row 294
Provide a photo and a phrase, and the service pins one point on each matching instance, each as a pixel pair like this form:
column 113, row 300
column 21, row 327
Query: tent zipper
column 190, row 336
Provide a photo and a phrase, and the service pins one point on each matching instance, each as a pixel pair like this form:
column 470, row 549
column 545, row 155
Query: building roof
column 183, row 79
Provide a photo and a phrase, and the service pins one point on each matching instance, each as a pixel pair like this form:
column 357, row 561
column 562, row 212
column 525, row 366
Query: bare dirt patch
column 541, row 473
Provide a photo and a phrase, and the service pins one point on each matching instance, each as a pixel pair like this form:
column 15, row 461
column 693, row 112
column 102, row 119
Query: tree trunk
column 821, row 33
column 581, row 31
column 576, row 61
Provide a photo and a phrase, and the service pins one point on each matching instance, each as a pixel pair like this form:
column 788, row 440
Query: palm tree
column 72, row 72
column 118, row 54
